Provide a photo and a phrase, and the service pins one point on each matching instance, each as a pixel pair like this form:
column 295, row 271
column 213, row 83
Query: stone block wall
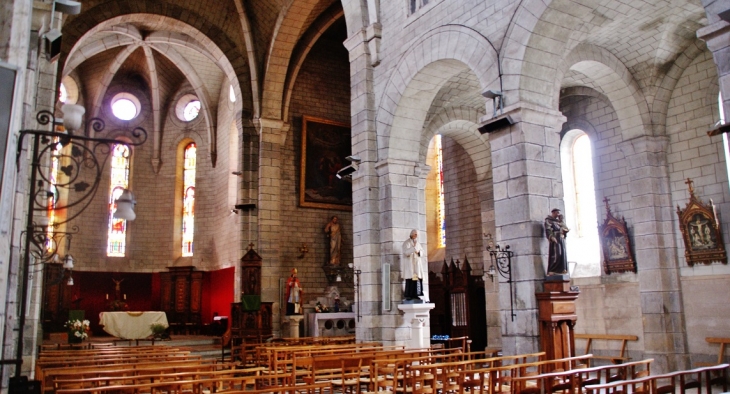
column 322, row 90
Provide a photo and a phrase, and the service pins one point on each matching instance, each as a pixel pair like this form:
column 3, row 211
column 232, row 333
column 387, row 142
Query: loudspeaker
column 495, row 124
column 52, row 39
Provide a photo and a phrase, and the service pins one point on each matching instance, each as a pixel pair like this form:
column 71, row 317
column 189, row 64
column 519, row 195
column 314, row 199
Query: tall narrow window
column 117, row 234
column 188, row 214
column 582, row 245
column 441, row 199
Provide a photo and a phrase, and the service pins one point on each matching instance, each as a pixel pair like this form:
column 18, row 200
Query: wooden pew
column 492, row 375
column 574, row 380
column 255, row 375
column 621, row 357
column 48, row 375
column 442, row 373
column 699, row 378
column 194, row 386
column 720, row 354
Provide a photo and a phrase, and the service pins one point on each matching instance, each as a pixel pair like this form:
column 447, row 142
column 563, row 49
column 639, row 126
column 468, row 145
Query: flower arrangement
column 117, row 305
column 79, row 329
column 319, row 308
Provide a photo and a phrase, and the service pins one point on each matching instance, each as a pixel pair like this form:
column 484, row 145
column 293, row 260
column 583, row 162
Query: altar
column 131, row 325
column 331, row 324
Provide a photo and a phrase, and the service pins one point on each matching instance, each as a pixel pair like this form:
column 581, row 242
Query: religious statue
column 117, row 288
column 293, row 294
column 555, row 230
column 412, row 269
column 333, row 231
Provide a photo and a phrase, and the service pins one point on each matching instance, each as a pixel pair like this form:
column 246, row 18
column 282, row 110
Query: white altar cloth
column 131, row 325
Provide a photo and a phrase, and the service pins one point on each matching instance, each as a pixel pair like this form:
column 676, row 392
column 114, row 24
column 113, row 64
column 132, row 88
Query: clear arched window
column 117, row 233
column 582, row 244
column 188, row 213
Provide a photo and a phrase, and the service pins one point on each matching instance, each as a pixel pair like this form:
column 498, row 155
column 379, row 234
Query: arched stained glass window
column 188, row 214
column 117, row 234
column 441, row 199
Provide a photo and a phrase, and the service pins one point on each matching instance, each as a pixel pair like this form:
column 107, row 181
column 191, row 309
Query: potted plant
column 158, row 331
column 78, row 330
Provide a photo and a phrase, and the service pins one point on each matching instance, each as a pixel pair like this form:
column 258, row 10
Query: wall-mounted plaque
column 700, row 231
column 618, row 256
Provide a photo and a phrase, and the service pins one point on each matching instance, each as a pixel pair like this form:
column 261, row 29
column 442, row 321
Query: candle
column 125, row 296
column 107, row 296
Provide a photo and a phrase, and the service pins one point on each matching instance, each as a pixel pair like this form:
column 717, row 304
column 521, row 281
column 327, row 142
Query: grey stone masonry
column 526, row 186
column 663, row 315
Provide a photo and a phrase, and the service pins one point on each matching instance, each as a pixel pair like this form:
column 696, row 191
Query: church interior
column 253, row 142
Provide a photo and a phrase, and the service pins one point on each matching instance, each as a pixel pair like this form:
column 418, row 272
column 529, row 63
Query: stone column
column 527, row 184
column 655, row 248
column 403, row 208
column 365, row 194
column 272, row 133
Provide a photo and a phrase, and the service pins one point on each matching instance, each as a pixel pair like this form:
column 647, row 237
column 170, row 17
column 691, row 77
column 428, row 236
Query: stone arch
column 299, row 55
column 289, row 27
column 666, row 85
column 515, row 45
column 461, row 124
column 615, row 80
column 215, row 44
column 420, row 73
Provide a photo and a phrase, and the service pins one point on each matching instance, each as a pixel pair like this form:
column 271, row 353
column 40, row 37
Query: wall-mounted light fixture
column 77, row 155
column 501, row 262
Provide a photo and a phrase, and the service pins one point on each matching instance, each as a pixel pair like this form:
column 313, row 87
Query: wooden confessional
column 460, row 303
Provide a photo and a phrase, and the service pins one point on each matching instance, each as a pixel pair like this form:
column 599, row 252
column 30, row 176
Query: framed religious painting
column 618, row 255
column 325, row 146
column 700, row 231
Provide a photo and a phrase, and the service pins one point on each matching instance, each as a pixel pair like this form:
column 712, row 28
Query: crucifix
column 689, row 182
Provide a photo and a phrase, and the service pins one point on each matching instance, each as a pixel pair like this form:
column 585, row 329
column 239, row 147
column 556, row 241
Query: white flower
column 77, row 334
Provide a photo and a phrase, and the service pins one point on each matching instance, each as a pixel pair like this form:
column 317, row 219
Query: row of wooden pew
column 352, row 368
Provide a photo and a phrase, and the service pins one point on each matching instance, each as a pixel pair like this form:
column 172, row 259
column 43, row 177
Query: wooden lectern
column 557, row 316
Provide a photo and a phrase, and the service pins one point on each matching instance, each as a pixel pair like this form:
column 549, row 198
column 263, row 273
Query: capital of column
column 276, row 130
column 365, row 42
column 402, row 167
column 644, row 144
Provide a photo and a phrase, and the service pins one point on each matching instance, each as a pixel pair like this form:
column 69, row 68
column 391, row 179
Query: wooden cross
column 250, row 246
column 689, row 182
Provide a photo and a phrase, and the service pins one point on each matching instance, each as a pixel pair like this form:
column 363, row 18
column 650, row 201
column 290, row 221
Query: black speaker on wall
column 52, row 41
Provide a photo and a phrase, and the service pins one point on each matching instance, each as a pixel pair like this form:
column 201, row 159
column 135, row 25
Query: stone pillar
column 365, row 196
column 294, row 323
column 653, row 223
column 403, row 208
column 272, row 134
column 527, row 184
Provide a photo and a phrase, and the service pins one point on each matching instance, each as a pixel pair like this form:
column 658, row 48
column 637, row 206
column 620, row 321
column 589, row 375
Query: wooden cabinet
column 181, row 296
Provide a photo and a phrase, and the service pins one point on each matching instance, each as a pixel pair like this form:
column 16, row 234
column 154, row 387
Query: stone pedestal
column 294, row 322
column 416, row 315
column 557, row 316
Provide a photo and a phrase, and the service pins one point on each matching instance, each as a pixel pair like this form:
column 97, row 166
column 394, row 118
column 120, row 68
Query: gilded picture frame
column 325, row 145
column 617, row 251
column 701, row 231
